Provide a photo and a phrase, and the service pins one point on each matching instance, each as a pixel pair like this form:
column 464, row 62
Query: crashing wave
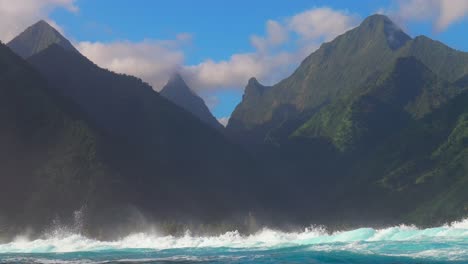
column 62, row 241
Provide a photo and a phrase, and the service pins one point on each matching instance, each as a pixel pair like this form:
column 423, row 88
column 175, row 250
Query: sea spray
column 64, row 241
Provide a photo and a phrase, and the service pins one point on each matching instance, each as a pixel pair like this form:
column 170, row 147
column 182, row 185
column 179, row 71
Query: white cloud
column 272, row 59
column 274, row 55
column 323, row 23
column 152, row 61
column 277, row 34
column 16, row 15
column 443, row 13
column 224, row 120
column 235, row 72
column 450, row 12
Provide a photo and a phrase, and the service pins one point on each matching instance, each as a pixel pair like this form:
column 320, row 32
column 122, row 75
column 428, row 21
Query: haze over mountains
column 370, row 129
column 150, row 147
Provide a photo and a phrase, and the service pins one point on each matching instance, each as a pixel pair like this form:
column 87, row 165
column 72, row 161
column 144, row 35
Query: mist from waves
column 447, row 242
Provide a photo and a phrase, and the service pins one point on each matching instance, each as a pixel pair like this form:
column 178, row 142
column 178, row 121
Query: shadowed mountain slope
column 177, row 91
column 161, row 144
column 50, row 158
column 369, row 130
column 37, row 38
column 166, row 163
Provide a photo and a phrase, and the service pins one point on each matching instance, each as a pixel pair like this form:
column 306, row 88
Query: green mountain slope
column 448, row 63
column 413, row 171
column 325, row 75
column 370, row 129
column 428, row 164
column 363, row 119
column 339, row 70
column 409, row 91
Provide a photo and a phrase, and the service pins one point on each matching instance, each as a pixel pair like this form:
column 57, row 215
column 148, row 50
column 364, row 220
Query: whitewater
column 399, row 244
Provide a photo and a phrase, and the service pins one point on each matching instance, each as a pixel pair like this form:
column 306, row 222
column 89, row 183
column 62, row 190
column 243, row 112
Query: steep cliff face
column 409, row 91
column 162, row 151
column 356, row 119
column 371, row 128
column 339, row 71
column 37, row 38
column 50, row 162
column 160, row 159
column 178, row 92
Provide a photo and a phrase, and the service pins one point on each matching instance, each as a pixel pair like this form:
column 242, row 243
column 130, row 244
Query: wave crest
column 60, row 241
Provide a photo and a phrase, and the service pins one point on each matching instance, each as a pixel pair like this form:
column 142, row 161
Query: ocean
column 393, row 245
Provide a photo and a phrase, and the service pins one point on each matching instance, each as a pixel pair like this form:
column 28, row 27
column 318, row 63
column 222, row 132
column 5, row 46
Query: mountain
column 421, row 171
column 163, row 144
column 37, row 38
column 177, row 91
column 327, row 76
column 371, row 129
column 402, row 143
column 166, row 163
column 322, row 76
column 50, row 158
column 363, row 125
column 462, row 82
column 409, row 91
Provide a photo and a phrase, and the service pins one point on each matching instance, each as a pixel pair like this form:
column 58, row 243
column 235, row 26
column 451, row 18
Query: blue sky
column 218, row 45
column 220, row 28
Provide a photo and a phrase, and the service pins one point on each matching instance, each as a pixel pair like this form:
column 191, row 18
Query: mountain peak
column 253, row 81
column 378, row 22
column 378, row 25
column 254, row 88
column 178, row 92
column 376, row 18
column 177, row 79
column 37, row 38
column 176, row 86
column 42, row 23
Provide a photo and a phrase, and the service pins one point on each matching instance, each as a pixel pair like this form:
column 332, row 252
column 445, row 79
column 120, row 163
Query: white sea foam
column 30, row 260
column 317, row 238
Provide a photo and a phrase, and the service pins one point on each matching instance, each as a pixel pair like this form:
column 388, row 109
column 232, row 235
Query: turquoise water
column 401, row 244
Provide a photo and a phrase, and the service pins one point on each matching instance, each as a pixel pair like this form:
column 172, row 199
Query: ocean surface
column 399, row 244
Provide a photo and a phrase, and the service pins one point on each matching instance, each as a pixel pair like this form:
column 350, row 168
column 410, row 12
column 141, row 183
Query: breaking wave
column 361, row 239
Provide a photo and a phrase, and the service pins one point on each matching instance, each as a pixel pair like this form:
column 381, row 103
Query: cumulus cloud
column 152, row 61
column 451, row 11
column 235, row 72
column 276, row 34
column 443, row 13
column 324, row 23
column 274, row 54
column 272, row 59
column 17, row 15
